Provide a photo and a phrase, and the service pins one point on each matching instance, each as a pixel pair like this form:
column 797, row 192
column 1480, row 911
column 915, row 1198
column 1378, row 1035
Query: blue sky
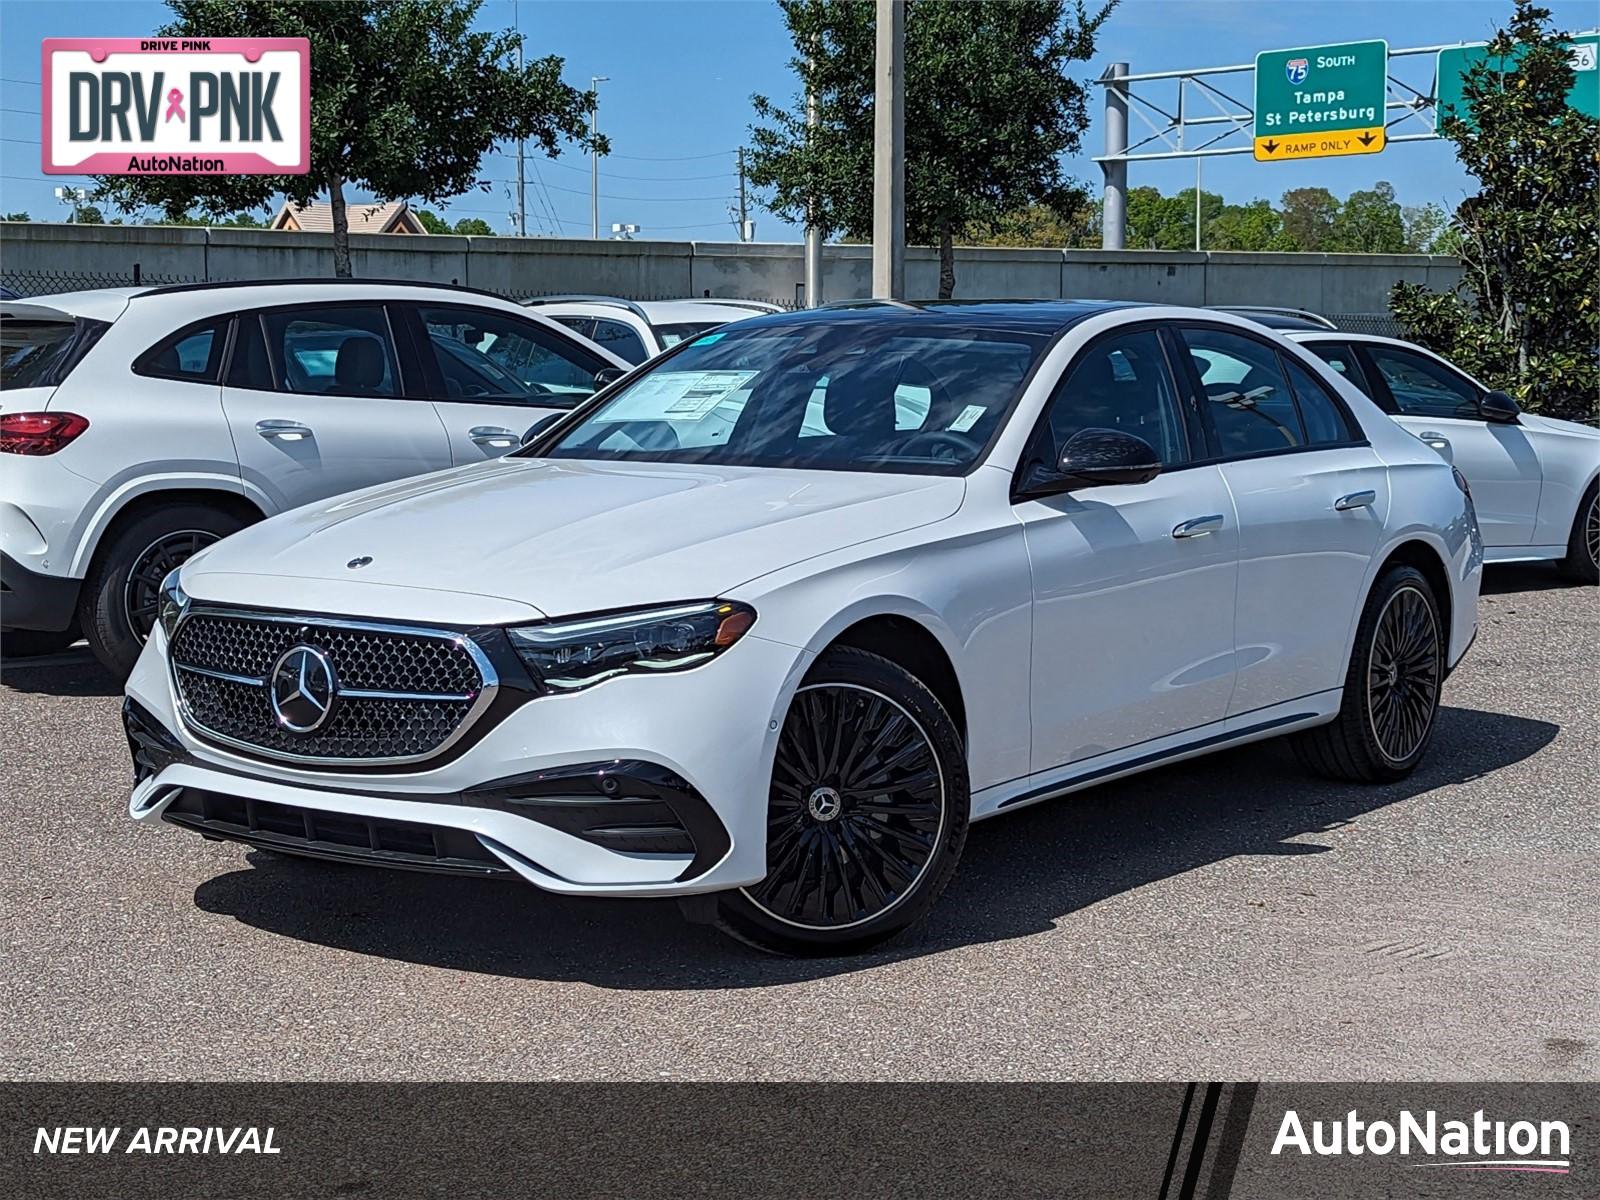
column 682, row 73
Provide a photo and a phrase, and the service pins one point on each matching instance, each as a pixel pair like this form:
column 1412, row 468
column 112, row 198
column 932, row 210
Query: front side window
column 338, row 350
column 1251, row 407
column 1122, row 383
column 1423, row 387
column 908, row 396
column 194, row 354
column 620, row 339
column 491, row 356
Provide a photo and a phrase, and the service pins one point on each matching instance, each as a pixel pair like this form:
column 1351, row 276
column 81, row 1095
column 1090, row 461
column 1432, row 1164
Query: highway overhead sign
column 1456, row 61
column 1320, row 101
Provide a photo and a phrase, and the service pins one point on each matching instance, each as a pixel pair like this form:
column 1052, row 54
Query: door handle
column 493, row 436
column 1198, row 526
column 1437, row 440
column 283, row 431
column 1364, row 499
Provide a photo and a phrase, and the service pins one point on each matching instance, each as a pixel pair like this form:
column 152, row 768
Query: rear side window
column 620, row 339
column 193, row 353
column 40, row 353
column 1342, row 358
column 1321, row 414
column 338, row 350
column 1251, row 406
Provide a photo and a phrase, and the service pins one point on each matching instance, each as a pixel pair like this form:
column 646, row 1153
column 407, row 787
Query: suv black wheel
column 1583, row 543
column 1391, row 690
column 866, row 817
column 123, row 590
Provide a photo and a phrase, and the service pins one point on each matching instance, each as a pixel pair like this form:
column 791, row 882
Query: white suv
column 640, row 330
column 751, row 629
column 138, row 425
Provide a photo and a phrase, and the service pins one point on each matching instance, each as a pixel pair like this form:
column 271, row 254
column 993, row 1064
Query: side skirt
column 1236, row 731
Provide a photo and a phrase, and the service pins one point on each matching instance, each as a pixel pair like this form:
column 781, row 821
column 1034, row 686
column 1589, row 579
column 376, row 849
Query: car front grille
column 396, row 693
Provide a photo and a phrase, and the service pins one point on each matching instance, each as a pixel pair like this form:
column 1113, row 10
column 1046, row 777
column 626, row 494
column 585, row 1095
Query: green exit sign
column 1456, row 61
column 1319, row 101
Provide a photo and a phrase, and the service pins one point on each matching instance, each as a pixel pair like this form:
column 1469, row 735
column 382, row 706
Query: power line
column 672, row 157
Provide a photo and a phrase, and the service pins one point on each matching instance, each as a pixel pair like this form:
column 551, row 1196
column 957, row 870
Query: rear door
column 491, row 374
column 316, row 399
column 1312, row 499
column 1441, row 406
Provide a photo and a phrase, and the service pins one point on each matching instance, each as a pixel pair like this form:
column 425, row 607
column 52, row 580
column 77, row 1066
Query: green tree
column 1369, row 222
column 1526, row 317
column 406, row 99
column 1424, row 225
column 1308, row 217
column 433, row 222
column 16, row 216
column 1253, row 226
column 88, row 214
column 474, row 227
column 1038, row 225
column 992, row 109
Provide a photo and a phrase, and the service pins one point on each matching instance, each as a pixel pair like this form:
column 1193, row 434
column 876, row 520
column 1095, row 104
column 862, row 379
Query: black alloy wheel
column 866, row 813
column 141, row 597
column 855, row 812
column 1403, row 675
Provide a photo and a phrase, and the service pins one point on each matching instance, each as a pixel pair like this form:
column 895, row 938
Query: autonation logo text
column 1480, row 1144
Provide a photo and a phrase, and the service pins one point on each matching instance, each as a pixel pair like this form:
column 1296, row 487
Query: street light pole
column 522, row 145
column 813, row 234
column 889, row 154
column 1114, row 209
column 594, row 157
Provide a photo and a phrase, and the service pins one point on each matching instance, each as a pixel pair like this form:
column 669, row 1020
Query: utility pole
column 594, row 157
column 744, row 217
column 1114, row 211
column 889, row 154
column 1197, row 163
column 813, row 234
column 522, row 145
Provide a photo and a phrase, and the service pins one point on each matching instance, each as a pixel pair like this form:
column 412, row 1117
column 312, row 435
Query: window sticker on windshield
column 968, row 418
column 677, row 395
column 709, row 339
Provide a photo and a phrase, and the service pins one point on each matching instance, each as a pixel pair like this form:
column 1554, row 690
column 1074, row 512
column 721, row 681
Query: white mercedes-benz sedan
column 767, row 623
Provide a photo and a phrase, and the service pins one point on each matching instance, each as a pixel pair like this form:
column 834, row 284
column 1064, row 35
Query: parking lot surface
column 1225, row 918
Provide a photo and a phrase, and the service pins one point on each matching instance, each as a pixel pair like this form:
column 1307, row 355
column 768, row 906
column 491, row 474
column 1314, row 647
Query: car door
column 315, row 398
column 1133, row 583
column 1312, row 499
column 1441, row 406
column 492, row 374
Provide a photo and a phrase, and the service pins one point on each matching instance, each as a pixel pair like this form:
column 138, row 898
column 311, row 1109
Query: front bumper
column 29, row 600
column 641, row 786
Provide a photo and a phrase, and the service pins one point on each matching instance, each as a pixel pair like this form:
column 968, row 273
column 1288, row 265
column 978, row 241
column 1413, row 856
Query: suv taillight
column 38, row 432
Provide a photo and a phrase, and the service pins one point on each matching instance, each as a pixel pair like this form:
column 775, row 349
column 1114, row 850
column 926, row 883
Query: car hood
column 519, row 538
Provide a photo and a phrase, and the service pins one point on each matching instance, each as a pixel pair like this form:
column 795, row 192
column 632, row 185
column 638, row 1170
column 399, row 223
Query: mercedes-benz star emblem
column 824, row 804
column 303, row 688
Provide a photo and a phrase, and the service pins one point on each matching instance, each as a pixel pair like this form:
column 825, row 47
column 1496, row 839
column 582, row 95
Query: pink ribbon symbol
column 175, row 105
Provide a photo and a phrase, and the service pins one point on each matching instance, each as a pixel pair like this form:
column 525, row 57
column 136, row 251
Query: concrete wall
column 37, row 257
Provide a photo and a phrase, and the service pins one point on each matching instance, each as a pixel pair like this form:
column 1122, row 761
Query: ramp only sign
column 1321, row 101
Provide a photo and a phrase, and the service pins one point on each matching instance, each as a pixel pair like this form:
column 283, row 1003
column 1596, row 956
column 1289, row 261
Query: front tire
column 123, row 590
column 866, row 815
column 1582, row 562
column 1391, row 690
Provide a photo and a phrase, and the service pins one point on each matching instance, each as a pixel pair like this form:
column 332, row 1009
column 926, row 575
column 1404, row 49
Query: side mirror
column 1094, row 458
column 540, row 426
column 1497, row 406
column 606, row 376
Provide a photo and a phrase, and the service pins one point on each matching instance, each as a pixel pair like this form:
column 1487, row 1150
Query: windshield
column 910, row 397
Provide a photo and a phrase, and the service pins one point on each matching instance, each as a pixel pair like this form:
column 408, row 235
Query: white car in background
column 637, row 330
column 138, row 425
column 1533, row 478
column 753, row 629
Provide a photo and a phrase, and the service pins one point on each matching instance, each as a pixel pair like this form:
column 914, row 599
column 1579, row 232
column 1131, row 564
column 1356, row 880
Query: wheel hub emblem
column 825, row 804
column 303, row 688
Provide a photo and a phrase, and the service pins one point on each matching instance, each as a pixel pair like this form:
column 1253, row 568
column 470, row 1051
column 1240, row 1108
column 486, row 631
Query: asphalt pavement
column 1229, row 918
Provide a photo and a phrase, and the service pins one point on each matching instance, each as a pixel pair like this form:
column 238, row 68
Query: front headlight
column 173, row 602
column 571, row 654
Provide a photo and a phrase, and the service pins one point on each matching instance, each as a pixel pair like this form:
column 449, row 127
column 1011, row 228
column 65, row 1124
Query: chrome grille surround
column 405, row 693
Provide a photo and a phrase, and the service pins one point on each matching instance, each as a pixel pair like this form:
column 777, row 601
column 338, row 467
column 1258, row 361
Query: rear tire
column 866, row 815
column 1391, row 689
column 120, row 595
column 1582, row 562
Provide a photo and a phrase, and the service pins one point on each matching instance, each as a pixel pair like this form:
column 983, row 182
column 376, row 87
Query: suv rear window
column 40, row 353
